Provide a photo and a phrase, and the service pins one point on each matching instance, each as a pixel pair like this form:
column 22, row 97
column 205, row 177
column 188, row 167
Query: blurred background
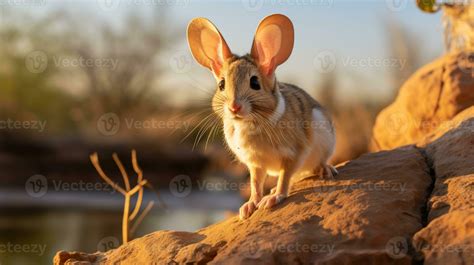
column 105, row 76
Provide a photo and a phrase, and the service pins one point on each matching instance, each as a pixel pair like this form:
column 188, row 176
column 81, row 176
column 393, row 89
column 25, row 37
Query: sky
column 350, row 34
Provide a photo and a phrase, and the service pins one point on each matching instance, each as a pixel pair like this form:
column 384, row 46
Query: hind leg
column 327, row 171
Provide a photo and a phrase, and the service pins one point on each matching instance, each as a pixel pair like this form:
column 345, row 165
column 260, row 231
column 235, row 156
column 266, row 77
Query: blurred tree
column 126, row 78
column 68, row 71
column 26, row 91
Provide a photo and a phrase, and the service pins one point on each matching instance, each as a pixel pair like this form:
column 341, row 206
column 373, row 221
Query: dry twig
column 128, row 192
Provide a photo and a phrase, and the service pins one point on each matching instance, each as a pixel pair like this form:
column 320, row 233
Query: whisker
column 206, row 126
column 196, row 127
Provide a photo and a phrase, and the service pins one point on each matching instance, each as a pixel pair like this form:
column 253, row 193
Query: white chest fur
column 237, row 137
column 248, row 141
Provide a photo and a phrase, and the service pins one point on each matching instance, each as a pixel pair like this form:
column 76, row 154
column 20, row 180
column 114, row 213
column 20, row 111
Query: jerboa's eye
column 254, row 84
column 221, row 85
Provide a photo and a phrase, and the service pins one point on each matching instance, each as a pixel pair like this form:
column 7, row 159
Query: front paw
column 247, row 209
column 271, row 200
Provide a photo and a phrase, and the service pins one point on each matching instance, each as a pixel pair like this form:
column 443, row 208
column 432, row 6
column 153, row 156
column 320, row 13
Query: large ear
column 273, row 42
column 207, row 45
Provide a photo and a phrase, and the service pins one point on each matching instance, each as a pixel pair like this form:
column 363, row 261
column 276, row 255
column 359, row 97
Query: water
column 32, row 230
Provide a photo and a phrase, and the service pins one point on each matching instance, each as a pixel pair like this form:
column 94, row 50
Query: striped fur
column 276, row 128
column 302, row 136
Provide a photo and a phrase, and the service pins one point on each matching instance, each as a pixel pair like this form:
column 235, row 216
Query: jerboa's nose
column 235, row 107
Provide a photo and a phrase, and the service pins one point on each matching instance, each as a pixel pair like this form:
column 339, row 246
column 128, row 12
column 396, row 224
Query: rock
column 448, row 239
column 452, row 159
column 368, row 214
column 409, row 205
column 458, row 122
column 434, row 94
column 63, row 257
column 449, row 236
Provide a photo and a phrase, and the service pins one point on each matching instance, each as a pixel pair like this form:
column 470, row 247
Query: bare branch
column 141, row 217
column 95, row 161
column 140, row 192
column 138, row 187
column 126, row 209
column 122, row 171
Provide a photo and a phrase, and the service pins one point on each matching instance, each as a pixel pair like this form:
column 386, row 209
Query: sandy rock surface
column 432, row 96
column 449, row 236
column 375, row 203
